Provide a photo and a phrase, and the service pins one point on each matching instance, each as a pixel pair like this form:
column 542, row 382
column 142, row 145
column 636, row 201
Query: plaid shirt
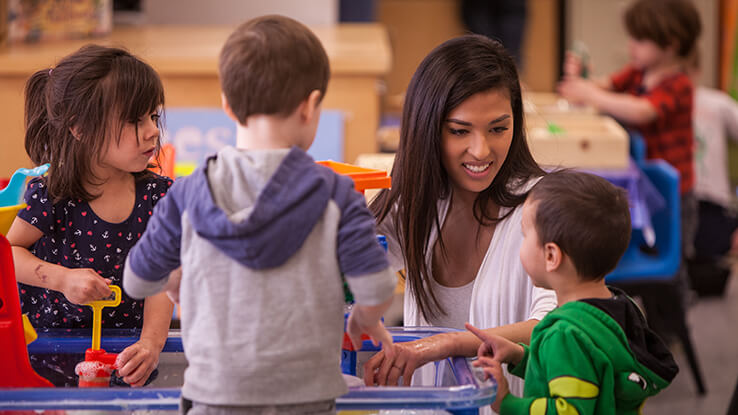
column 670, row 136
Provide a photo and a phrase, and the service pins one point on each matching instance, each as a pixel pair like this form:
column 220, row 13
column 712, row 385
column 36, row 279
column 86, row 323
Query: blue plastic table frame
column 470, row 393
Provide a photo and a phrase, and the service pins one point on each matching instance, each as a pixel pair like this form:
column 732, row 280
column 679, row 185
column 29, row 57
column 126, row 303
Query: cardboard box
column 551, row 103
column 577, row 140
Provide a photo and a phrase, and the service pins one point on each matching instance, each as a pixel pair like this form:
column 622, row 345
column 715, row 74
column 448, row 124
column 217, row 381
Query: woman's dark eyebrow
column 466, row 123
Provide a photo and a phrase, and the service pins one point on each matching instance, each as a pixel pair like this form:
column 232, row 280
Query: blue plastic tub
column 457, row 387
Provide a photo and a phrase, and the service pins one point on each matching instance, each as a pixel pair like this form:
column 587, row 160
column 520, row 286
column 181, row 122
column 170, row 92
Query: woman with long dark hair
column 462, row 171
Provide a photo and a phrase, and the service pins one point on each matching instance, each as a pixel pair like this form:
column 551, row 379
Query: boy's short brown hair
column 586, row 216
column 665, row 22
column 269, row 65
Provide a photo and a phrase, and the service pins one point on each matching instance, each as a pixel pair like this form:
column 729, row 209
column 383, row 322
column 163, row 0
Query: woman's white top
column 502, row 292
column 455, row 301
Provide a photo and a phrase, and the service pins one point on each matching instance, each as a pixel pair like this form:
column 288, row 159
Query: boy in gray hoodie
column 263, row 235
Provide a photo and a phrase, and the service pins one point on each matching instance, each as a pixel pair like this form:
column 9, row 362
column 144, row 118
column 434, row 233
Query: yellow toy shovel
column 97, row 307
column 98, row 365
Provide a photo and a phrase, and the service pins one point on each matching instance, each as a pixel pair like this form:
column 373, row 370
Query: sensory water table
column 457, row 387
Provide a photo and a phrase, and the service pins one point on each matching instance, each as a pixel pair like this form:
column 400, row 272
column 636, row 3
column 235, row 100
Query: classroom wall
column 599, row 24
column 415, row 27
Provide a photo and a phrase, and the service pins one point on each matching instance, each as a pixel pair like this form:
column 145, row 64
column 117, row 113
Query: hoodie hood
column 647, row 347
column 258, row 207
column 620, row 330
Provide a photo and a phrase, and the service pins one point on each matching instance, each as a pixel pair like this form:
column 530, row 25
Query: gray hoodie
column 263, row 238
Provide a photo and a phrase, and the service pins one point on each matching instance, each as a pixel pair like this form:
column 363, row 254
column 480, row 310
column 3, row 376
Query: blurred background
column 374, row 47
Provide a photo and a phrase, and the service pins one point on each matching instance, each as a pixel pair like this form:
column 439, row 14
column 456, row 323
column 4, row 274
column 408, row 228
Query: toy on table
column 164, row 164
column 580, row 51
column 98, row 365
column 363, row 179
column 14, row 333
column 10, row 196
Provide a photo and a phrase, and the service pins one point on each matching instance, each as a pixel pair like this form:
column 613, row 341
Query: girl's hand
column 493, row 369
column 383, row 369
column 82, row 285
column 496, row 347
column 137, row 361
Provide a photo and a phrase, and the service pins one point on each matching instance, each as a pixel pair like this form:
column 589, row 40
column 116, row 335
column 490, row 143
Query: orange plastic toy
column 167, row 156
column 363, row 178
column 14, row 364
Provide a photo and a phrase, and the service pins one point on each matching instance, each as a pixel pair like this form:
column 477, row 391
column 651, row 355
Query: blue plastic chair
column 651, row 273
column 637, row 146
column 663, row 262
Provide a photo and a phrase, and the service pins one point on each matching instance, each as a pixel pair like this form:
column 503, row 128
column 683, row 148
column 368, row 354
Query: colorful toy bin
column 451, row 386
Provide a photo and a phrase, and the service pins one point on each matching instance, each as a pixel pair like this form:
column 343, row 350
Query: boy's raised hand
column 577, row 90
column 83, row 285
column 496, row 347
column 572, row 64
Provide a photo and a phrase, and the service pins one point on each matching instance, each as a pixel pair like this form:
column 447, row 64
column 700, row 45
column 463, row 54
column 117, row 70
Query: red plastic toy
column 14, row 364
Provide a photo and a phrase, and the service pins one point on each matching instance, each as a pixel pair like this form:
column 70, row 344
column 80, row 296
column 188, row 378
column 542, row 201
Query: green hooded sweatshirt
column 593, row 356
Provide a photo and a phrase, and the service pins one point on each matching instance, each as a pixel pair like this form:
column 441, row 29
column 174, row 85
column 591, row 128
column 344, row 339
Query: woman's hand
column 83, row 285
column 137, row 361
column 493, row 369
column 496, row 347
column 383, row 370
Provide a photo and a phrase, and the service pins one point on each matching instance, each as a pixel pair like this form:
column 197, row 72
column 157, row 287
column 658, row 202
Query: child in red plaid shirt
column 653, row 94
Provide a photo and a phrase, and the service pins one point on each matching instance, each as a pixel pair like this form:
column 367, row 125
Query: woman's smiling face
column 475, row 140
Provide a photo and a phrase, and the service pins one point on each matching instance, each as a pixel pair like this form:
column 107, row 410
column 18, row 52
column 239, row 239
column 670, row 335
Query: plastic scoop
column 95, row 371
column 11, row 195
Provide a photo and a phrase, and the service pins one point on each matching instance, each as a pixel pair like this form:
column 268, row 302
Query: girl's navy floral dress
column 75, row 237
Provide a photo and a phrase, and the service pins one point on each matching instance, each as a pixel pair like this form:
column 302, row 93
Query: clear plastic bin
column 456, row 386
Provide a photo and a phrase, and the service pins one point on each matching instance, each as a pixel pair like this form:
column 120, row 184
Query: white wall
column 310, row 12
column 599, row 24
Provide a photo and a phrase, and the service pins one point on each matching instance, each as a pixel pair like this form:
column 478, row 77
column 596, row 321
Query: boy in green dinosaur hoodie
column 594, row 354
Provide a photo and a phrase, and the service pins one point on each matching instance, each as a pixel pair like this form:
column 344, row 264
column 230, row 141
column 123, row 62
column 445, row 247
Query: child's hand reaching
column 83, row 285
column 493, row 369
column 577, row 90
column 573, row 65
column 364, row 320
column 136, row 362
column 497, row 348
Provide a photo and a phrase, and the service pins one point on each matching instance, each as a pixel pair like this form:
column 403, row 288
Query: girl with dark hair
column 452, row 216
column 95, row 117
